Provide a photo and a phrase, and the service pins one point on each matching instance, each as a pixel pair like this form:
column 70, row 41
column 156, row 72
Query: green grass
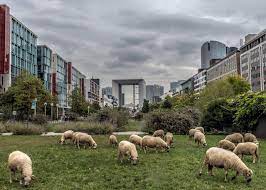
column 134, row 125
column 64, row 167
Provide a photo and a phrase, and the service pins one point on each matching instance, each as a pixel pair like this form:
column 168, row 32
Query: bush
column 39, row 119
column 177, row 122
column 94, row 128
column 18, row 128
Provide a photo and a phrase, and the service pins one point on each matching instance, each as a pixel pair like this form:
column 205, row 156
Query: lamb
column 247, row 148
column 154, row 142
column 21, row 162
column 199, row 138
column 66, row 135
column 227, row 145
column 235, row 138
column 113, row 140
column 201, row 129
column 221, row 158
column 126, row 148
column 191, row 133
column 159, row 133
column 169, row 138
column 249, row 137
column 135, row 139
column 86, row 139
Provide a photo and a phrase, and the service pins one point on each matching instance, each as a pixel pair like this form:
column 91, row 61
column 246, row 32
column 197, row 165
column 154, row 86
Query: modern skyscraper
column 44, row 62
column 22, row 55
column 175, row 85
column 212, row 50
column 153, row 92
column 92, row 90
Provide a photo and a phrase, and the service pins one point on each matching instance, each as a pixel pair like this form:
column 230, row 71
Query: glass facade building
column 44, row 62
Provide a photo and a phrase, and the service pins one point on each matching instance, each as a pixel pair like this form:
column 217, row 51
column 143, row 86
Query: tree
column 145, row 108
column 224, row 88
column 167, row 104
column 95, row 107
column 20, row 95
column 78, row 103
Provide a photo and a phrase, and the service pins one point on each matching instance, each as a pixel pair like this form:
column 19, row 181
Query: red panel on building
column 4, row 39
column 54, row 84
column 69, row 73
column 82, row 88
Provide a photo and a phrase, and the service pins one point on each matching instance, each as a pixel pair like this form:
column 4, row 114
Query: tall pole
column 56, row 111
column 52, row 111
column 45, row 104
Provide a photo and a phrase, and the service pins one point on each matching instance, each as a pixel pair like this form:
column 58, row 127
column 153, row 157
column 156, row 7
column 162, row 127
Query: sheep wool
column 221, row 158
column 191, row 133
column 199, row 138
column 247, row 148
column 159, row 133
column 201, row 129
column 135, row 139
column 66, row 135
column 125, row 149
column 21, row 162
column 154, row 142
column 235, row 138
column 113, row 140
column 169, row 138
column 227, row 145
column 86, row 139
column 249, row 137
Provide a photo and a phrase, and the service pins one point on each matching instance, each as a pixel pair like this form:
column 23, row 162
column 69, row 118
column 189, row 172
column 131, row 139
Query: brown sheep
column 235, row 138
column 159, row 133
column 249, row 137
column 247, row 148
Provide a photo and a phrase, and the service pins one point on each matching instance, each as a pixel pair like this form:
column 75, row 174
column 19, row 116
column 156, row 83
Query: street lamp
column 88, row 110
column 45, row 104
column 57, row 111
column 52, row 104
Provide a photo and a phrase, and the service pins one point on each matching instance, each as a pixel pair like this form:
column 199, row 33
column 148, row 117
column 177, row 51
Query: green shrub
column 39, row 119
column 94, row 128
column 178, row 122
column 18, row 128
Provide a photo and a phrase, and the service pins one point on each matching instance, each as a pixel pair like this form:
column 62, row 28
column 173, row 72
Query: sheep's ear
column 33, row 177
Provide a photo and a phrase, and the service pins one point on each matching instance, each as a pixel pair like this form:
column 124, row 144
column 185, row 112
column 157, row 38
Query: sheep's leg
column 210, row 170
column 203, row 164
column 78, row 144
column 225, row 174
column 254, row 158
column 145, row 149
column 234, row 177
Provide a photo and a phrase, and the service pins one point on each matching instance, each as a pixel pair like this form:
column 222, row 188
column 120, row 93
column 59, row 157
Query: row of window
column 22, row 31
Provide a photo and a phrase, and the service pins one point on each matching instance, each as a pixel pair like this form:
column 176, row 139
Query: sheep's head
column 248, row 175
column 134, row 159
column 94, row 145
column 27, row 181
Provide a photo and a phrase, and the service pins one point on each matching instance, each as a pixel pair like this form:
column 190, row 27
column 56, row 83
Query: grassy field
column 64, row 167
column 134, row 125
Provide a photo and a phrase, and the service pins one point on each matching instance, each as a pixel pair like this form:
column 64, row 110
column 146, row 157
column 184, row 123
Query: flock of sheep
column 227, row 154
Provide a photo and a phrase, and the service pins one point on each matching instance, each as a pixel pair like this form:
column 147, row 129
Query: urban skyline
column 161, row 53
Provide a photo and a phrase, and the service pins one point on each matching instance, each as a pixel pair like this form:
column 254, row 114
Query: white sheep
column 135, row 139
column 21, row 162
column 221, row 158
column 247, row 148
column 159, row 133
column 169, row 138
column 191, row 133
column 113, row 140
column 199, row 138
column 201, row 129
column 66, row 135
column 249, row 137
column 85, row 139
column 76, row 135
column 235, row 138
column 126, row 148
column 154, row 142
column 227, row 145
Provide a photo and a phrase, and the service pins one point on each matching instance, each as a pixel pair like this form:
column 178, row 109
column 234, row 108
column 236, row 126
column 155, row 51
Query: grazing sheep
column 221, row 158
column 126, row 148
column 76, row 136
column 247, row 148
column 227, row 145
column 113, row 140
column 21, row 162
column 249, row 137
column 66, row 135
column 169, row 138
column 159, row 133
column 235, row 138
column 191, row 133
column 154, row 142
column 85, row 139
column 135, row 139
column 201, row 129
column 199, row 138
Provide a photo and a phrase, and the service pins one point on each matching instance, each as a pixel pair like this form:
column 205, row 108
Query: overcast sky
column 158, row 40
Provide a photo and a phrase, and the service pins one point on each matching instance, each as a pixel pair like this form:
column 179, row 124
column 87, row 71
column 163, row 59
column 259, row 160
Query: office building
column 18, row 49
column 107, row 91
column 228, row 66
column 253, row 61
column 187, row 86
column 212, row 50
column 154, row 92
column 175, row 85
column 44, row 63
column 200, row 80
column 92, row 90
